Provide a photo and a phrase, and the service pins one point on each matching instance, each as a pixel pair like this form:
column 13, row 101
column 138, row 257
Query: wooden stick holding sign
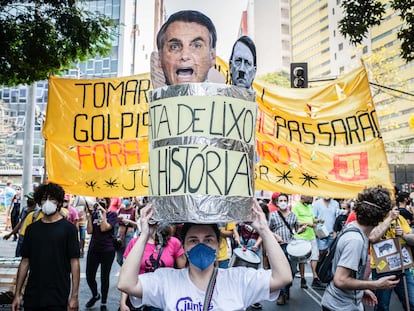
column 404, row 277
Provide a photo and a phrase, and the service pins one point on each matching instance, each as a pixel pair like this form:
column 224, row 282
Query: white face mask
column 283, row 206
column 344, row 211
column 49, row 208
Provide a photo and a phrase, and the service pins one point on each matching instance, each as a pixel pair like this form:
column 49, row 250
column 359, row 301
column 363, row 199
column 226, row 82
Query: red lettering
column 100, row 156
column 113, row 154
column 275, row 153
column 114, row 151
column 350, row 166
column 265, row 121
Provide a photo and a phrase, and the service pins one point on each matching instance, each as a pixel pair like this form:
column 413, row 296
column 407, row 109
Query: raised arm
column 128, row 281
column 281, row 274
column 380, row 230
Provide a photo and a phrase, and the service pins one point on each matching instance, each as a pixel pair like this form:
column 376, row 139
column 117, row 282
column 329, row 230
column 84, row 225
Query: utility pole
column 27, row 182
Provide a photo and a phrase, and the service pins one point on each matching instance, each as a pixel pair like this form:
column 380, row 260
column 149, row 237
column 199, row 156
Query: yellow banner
column 322, row 141
column 96, row 135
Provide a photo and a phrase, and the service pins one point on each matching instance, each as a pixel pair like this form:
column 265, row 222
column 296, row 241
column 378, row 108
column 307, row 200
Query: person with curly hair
column 349, row 290
column 394, row 225
column 50, row 251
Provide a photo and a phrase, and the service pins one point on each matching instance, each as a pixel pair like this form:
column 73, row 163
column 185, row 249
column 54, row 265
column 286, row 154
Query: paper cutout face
column 186, row 55
column 242, row 69
column 158, row 78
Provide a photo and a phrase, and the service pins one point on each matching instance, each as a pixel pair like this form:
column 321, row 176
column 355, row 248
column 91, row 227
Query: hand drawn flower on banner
column 309, row 179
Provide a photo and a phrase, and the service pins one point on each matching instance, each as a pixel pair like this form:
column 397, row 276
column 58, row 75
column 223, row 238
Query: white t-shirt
column 236, row 289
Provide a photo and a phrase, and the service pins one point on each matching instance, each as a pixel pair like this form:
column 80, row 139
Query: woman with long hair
column 161, row 250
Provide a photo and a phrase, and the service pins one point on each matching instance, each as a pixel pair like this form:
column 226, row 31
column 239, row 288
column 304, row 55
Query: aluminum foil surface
column 202, row 142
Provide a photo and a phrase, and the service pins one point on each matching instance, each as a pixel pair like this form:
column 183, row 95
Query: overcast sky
column 225, row 14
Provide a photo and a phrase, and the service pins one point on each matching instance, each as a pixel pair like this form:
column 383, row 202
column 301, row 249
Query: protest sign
column 202, row 140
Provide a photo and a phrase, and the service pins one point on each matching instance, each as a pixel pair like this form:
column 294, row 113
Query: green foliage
column 360, row 15
column 43, row 37
column 406, row 33
column 280, row 78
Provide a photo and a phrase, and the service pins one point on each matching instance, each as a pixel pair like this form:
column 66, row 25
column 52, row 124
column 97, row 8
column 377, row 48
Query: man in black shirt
column 51, row 252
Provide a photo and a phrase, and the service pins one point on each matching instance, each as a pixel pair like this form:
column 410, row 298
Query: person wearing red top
column 351, row 217
column 272, row 205
column 115, row 204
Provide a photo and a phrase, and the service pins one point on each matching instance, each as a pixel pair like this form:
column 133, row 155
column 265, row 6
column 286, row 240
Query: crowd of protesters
column 293, row 218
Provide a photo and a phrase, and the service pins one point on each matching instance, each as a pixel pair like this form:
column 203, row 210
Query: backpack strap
column 351, row 229
column 35, row 214
column 286, row 223
column 210, row 289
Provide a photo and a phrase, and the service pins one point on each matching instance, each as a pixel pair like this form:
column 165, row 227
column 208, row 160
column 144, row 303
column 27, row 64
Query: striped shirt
column 278, row 226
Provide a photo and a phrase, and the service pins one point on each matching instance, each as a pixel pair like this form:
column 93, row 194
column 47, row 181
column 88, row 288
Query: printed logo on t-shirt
column 151, row 263
column 187, row 304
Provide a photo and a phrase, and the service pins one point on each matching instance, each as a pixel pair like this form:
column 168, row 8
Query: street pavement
column 300, row 299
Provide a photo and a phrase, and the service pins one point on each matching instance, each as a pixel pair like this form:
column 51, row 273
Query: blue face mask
column 201, row 256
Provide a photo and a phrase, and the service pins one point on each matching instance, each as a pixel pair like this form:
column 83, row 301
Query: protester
column 341, row 218
column 13, row 211
column 242, row 62
column 161, row 251
column 226, row 232
column 272, row 205
column 81, row 228
column 186, row 46
column 32, row 216
column 246, row 236
column 233, row 289
column 393, row 226
column 126, row 227
column 284, row 225
column 101, row 251
column 31, row 205
column 349, row 290
column 50, row 256
column 304, row 212
column 73, row 215
column 115, row 204
column 326, row 209
column 403, row 199
column 9, row 193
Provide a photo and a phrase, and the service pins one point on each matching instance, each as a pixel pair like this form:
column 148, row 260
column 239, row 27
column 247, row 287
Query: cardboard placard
column 387, row 255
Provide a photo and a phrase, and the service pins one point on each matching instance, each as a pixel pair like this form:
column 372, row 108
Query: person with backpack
column 393, row 226
column 31, row 207
column 348, row 290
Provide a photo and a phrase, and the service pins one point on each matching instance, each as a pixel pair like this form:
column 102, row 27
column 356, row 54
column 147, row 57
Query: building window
column 365, row 50
column 285, row 13
column 340, row 46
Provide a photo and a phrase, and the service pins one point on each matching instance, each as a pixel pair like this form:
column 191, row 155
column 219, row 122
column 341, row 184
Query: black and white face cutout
column 242, row 69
